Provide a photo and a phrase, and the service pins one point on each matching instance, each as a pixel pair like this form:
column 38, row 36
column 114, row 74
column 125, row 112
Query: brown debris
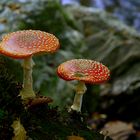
column 39, row 100
column 118, row 130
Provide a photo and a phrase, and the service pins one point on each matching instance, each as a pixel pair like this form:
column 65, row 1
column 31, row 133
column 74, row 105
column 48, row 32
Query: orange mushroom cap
column 88, row 71
column 22, row 44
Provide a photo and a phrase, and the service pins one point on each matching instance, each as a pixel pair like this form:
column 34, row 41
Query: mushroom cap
column 87, row 71
column 25, row 43
column 75, row 138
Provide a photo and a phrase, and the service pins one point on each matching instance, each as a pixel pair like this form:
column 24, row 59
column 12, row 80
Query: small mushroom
column 75, row 138
column 39, row 101
column 23, row 45
column 84, row 71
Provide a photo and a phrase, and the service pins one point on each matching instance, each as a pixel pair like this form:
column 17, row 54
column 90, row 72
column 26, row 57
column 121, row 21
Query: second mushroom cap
column 88, row 71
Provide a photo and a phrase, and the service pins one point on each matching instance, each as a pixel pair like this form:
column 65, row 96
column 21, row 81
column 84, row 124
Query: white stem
column 77, row 103
column 80, row 90
column 27, row 91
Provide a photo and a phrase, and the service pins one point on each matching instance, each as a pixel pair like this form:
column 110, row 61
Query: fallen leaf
column 118, row 130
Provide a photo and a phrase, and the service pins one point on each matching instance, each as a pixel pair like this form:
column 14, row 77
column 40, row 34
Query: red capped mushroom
column 85, row 71
column 23, row 45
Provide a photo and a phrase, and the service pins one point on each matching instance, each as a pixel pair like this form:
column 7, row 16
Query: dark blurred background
column 126, row 10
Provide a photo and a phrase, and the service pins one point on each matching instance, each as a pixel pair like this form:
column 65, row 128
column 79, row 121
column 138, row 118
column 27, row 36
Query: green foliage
column 10, row 104
column 45, row 122
column 40, row 121
column 2, row 113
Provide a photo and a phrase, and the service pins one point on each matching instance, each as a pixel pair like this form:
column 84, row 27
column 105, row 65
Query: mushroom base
column 27, row 94
column 77, row 102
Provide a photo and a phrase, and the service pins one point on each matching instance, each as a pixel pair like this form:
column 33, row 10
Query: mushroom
column 75, row 138
column 23, row 45
column 85, row 71
column 39, row 101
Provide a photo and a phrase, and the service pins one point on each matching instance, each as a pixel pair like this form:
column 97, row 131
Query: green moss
column 10, row 104
column 45, row 122
column 41, row 121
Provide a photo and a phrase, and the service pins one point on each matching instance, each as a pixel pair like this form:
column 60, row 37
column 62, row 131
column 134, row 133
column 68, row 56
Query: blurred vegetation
column 127, row 11
column 83, row 33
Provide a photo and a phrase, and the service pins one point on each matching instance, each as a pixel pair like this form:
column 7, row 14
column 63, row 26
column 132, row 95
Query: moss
column 41, row 121
column 45, row 122
column 10, row 104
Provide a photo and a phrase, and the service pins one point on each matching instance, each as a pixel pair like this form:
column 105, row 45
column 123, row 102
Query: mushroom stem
column 27, row 91
column 77, row 103
column 80, row 90
column 18, row 130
